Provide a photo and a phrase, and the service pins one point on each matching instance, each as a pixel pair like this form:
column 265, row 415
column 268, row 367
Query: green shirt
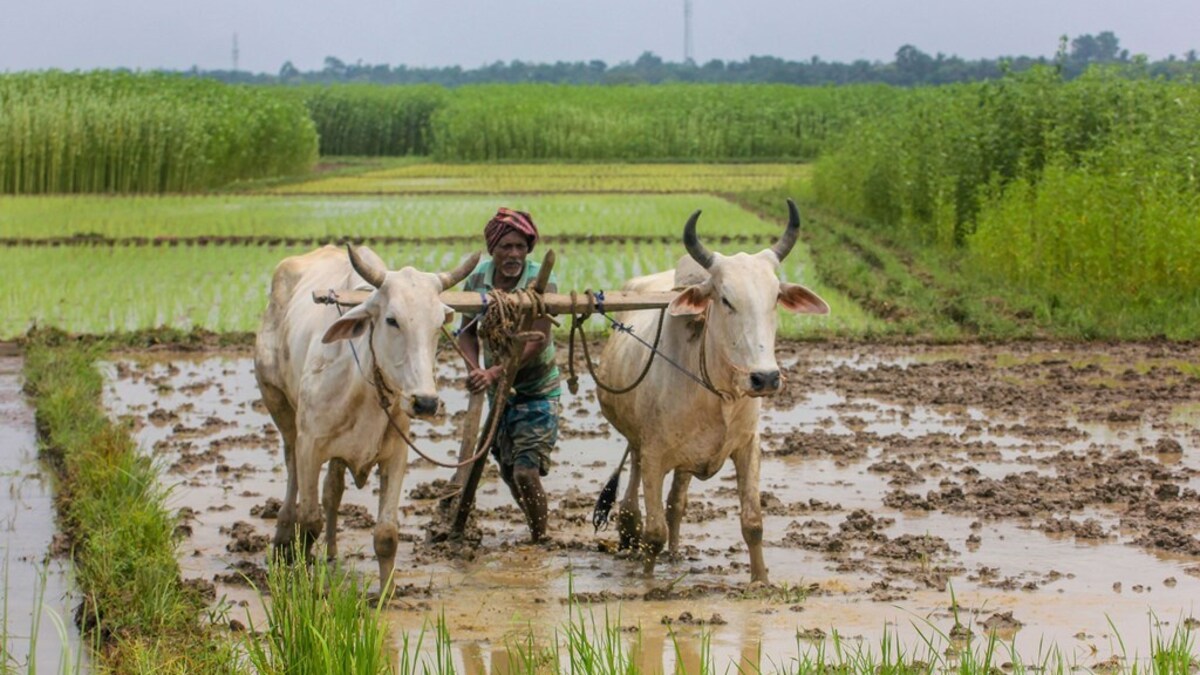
column 539, row 377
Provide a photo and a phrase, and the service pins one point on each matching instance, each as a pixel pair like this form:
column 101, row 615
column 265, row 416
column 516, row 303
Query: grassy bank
column 113, row 509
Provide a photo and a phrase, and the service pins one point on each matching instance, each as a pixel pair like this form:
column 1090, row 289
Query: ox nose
column 425, row 406
column 764, row 381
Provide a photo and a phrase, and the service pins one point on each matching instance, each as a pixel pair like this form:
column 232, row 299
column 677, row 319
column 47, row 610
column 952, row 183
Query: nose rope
column 725, row 396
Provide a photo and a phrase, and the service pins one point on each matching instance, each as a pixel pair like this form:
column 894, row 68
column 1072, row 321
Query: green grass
column 420, row 178
column 113, row 509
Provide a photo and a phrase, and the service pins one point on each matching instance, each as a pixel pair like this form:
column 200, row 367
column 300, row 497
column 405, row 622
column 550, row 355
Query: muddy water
column 36, row 587
column 1049, row 489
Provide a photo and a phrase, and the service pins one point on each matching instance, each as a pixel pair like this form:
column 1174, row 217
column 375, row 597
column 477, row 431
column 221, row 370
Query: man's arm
column 483, row 378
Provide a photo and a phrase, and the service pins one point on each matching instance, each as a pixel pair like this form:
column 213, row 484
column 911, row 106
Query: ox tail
column 608, row 496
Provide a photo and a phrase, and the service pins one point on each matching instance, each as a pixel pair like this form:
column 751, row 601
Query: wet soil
column 1047, row 488
column 35, row 565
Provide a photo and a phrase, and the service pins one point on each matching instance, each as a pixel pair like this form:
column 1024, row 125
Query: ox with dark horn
column 699, row 253
column 788, row 239
column 450, row 279
column 372, row 274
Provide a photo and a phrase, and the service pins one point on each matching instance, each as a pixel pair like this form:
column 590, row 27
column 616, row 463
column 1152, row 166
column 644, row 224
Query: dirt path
column 1049, row 487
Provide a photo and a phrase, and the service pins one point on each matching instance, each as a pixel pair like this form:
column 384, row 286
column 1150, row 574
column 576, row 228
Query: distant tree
column 910, row 67
column 913, row 64
column 288, row 72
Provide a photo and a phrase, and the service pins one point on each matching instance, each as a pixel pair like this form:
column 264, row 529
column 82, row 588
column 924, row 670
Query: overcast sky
column 148, row 34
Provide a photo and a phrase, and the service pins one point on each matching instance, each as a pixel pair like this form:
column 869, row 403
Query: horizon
column 470, row 34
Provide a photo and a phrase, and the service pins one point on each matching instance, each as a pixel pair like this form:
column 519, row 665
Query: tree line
column 910, row 67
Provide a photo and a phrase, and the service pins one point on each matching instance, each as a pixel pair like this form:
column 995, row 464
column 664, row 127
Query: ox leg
column 677, row 501
column 654, row 532
column 629, row 515
column 746, row 463
column 331, row 500
column 284, row 417
column 387, row 526
column 308, row 506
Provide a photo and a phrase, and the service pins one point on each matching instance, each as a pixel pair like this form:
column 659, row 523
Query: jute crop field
column 984, row 457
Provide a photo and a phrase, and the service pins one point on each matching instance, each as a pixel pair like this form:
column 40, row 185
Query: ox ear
column 449, row 314
column 693, row 300
column 798, row 299
column 349, row 325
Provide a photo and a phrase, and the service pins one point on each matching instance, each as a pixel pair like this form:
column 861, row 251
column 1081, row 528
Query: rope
column 577, row 320
column 383, row 391
column 573, row 380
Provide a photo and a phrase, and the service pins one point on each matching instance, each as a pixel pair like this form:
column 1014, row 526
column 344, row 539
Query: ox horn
column 788, row 239
column 450, row 279
column 694, row 248
column 372, row 274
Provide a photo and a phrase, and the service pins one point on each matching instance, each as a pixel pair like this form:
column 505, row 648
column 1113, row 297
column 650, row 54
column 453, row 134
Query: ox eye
column 391, row 321
column 725, row 301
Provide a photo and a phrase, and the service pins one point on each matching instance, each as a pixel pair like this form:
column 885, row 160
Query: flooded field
column 35, row 584
column 1051, row 490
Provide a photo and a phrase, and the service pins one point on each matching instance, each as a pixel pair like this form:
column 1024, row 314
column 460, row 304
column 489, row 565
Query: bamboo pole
column 556, row 303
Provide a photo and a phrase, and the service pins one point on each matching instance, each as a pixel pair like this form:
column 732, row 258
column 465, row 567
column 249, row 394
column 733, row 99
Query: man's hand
column 482, row 379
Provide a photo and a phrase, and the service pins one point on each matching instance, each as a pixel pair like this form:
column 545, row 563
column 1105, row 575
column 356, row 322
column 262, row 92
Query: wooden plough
column 467, row 476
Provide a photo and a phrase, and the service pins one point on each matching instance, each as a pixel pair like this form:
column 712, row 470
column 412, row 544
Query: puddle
column 1024, row 479
column 37, row 589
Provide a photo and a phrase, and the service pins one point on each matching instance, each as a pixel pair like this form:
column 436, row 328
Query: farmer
column 528, row 430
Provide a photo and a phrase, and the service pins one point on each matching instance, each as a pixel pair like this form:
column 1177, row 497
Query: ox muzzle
column 426, row 406
column 765, row 382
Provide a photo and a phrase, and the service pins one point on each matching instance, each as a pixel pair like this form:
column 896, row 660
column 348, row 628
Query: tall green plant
column 120, row 132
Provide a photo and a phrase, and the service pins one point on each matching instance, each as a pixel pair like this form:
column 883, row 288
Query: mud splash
column 1050, row 488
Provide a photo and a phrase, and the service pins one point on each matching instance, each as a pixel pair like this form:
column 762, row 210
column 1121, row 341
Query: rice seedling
column 102, row 290
column 318, row 621
column 356, row 217
column 432, row 178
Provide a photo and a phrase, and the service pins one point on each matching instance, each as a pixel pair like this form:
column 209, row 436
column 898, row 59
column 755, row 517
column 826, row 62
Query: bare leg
column 677, row 501
column 532, row 499
column 331, row 499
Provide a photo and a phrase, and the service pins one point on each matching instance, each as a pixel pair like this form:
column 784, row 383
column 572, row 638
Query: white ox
column 725, row 314
column 325, row 404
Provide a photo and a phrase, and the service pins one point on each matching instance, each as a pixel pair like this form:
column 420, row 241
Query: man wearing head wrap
column 528, row 431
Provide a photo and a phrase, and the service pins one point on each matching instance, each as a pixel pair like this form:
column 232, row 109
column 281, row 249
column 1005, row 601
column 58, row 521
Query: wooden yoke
column 465, row 503
column 556, row 303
